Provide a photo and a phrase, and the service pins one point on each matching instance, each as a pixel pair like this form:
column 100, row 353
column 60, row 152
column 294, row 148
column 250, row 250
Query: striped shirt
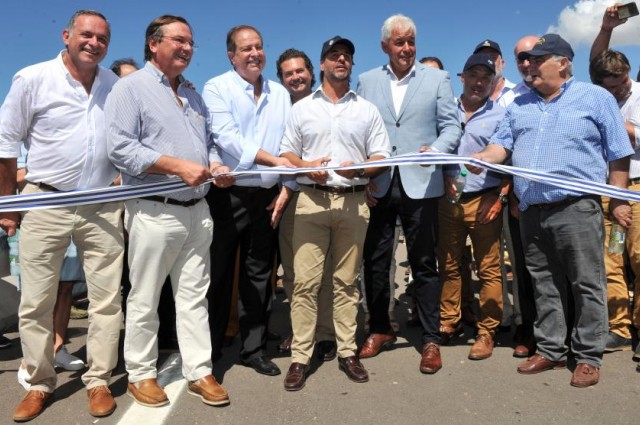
column 576, row 134
column 145, row 122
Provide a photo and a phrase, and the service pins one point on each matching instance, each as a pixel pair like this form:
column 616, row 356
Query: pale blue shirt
column 241, row 126
column 145, row 122
column 575, row 134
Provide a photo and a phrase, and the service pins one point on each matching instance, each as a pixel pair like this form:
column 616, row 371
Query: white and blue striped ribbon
column 120, row 193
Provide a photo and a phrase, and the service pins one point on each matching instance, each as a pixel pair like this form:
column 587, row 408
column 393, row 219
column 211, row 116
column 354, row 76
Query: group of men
column 83, row 125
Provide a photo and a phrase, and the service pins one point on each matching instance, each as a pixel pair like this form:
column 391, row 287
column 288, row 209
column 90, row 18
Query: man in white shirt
column 333, row 126
column 248, row 115
column 56, row 107
column 610, row 70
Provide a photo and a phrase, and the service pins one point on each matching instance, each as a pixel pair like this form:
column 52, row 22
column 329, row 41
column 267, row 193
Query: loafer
column 375, row 343
column 616, row 342
column 101, row 402
column 354, row 370
column 296, row 377
column 326, row 350
column 262, row 365
column 585, row 375
column 538, row 363
column 209, row 391
column 431, row 362
column 67, row 361
column 285, row 345
column 31, row 405
column 148, row 393
column 482, row 348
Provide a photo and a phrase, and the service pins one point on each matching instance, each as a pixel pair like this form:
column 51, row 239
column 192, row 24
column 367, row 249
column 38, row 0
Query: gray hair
column 569, row 71
column 398, row 21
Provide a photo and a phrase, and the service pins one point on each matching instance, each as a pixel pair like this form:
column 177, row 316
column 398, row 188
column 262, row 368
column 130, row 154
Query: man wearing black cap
column 417, row 105
column 501, row 84
column 476, row 214
column 573, row 129
column 334, row 127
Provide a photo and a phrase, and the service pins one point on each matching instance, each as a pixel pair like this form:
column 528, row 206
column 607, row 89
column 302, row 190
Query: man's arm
column 449, row 130
column 8, row 168
column 492, row 153
column 619, row 177
column 609, row 22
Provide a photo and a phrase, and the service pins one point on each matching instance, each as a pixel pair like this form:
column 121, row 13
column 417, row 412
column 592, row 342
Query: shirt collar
column 150, row 67
column 393, row 76
column 319, row 93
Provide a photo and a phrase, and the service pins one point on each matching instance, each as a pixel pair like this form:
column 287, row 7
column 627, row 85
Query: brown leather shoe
column 148, row 393
column 526, row 348
column 209, row 391
column 585, row 375
column 101, row 402
column 296, row 377
column 538, row 363
column 449, row 332
column 354, row 370
column 285, row 345
column 31, row 405
column 482, row 348
column 376, row 343
column 431, row 361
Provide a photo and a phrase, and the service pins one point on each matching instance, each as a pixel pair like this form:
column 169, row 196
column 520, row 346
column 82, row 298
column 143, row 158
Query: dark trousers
column 240, row 218
column 419, row 218
column 526, row 299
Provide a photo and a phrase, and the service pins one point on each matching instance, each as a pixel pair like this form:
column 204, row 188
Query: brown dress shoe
column 31, row 405
column 101, row 402
column 285, row 345
column 449, row 332
column 585, row 375
column 482, row 348
column 431, row 361
column 538, row 363
column 296, row 377
column 209, row 391
column 354, row 370
column 148, row 393
column 376, row 343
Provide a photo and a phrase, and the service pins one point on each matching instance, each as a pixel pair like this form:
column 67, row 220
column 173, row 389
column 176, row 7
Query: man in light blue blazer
column 419, row 111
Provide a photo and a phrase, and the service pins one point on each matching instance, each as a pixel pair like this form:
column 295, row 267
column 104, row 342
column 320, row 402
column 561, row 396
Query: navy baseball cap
column 480, row 59
column 549, row 44
column 334, row 41
column 490, row 44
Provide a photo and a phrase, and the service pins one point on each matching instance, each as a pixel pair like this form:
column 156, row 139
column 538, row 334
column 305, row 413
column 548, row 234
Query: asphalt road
column 463, row 392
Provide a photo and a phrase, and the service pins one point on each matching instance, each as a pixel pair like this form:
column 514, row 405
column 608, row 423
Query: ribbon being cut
column 120, row 193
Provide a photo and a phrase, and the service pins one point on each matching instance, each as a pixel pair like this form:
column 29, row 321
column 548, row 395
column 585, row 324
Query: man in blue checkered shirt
column 573, row 129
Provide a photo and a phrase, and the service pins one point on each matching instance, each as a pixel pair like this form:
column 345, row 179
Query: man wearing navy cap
column 501, row 84
column 333, row 126
column 476, row 214
column 572, row 129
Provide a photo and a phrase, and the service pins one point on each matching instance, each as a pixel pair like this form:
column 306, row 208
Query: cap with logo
column 480, row 59
column 549, row 44
column 335, row 41
column 488, row 44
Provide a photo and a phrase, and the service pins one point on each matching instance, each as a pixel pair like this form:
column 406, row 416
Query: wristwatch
column 361, row 172
column 503, row 198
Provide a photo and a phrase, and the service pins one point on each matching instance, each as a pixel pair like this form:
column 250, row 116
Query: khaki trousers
column 44, row 237
column 324, row 327
column 326, row 224
column 456, row 221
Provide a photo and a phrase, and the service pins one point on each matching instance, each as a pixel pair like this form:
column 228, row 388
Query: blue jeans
column 564, row 251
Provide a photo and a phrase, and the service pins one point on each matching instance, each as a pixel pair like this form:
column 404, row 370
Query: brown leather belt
column 45, row 187
column 170, row 201
column 471, row 195
column 339, row 190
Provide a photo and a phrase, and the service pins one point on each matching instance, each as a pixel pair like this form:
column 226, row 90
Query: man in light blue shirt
column 248, row 115
column 573, row 129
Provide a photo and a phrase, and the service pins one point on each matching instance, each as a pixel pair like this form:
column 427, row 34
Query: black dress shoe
column 326, row 350
column 296, row 377
column 354, row 370
column 262, row 365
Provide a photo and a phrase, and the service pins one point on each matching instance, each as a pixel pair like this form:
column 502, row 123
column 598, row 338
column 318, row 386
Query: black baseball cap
column 490, row 44
column 336, row 40
column 549, row 44
column 480, row 59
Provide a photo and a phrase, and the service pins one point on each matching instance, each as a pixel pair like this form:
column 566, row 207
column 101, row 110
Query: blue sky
column 31, row 30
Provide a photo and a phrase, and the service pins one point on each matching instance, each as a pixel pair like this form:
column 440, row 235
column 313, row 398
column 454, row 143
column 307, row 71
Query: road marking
column 171, row 379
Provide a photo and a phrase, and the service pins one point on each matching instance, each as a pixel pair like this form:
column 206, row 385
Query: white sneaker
column 66, row 361
column 23, row 375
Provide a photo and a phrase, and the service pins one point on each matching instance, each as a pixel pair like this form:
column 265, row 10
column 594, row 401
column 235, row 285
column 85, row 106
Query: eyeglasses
column 183, row 42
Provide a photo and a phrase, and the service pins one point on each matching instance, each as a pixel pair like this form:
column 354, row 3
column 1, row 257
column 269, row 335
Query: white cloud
column 580, row 23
